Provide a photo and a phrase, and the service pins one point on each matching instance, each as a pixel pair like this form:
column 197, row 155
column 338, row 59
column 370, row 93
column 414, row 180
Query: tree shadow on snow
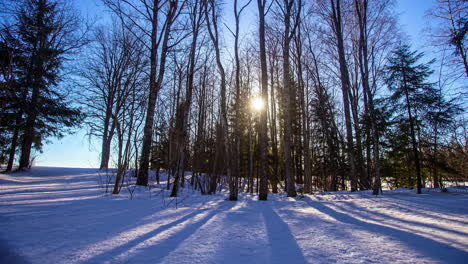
column 161, row 250
column 433, row 249
column 284, row 248
column 365, row 213
column 438, row 200
column 416, row 209
column 8, row 255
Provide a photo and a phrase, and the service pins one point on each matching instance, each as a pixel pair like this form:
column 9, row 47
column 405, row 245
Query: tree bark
column 345, row 88
column 155, row 84
column 223, row 146
column 287, row 92
column 414, row 143
column 263, row 192
column 196, row 15
column 361, row 10
column 304, row 115
column 29, row 130
column 14, row 144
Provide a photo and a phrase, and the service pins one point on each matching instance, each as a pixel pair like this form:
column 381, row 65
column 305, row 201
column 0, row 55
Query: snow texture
column 61, row 215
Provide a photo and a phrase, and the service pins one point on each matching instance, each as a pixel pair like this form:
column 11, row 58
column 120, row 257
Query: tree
column 47, row 32
column 146, row 17
column 439, row 118
column 12, row 97
column 291, row 11
column 223, row 150
column 411, row 93
column 196, row 10
column 337, row 24
column 263, row 194
column 114, row 65
column 156, row 81
column 361, row 7
column 451, row 27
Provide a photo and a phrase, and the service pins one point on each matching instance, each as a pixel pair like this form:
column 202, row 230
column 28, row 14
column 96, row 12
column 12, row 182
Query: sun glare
column 258, row 104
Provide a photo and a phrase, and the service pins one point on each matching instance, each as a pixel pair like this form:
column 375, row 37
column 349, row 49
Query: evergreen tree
column 439, row 119
column 46, row 33
column 411, row 94
column 10, row 96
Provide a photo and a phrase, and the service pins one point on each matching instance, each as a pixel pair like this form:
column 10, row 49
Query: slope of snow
column 61, row 215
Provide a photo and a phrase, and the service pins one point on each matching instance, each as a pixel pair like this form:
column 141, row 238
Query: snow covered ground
column 60, row 215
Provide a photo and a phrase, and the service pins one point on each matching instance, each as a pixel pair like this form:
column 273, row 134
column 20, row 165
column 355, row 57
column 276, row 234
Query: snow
column 61, row 215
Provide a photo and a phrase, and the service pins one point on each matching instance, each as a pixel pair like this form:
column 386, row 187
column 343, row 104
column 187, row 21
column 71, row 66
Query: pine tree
column 439, row 120
column 11, row 96
column 411, row 93
column 46, row 33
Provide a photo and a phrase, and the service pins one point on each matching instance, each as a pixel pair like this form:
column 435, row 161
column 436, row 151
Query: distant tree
column 411, row 94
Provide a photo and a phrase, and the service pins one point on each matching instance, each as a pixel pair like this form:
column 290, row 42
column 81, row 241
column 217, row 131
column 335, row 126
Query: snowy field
column 58, row 215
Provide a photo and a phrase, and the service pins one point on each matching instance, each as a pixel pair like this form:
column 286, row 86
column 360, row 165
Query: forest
column 262, row 96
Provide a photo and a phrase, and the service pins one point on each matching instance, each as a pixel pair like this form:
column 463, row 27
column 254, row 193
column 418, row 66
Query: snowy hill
column 61, row 215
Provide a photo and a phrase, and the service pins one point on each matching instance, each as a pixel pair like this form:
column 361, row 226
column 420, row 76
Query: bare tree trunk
column 212, row 21
column 263, row 193
column 14, row 144
column 251, row 157
column 155, row 84
column 108, row 133
column 435, row 175
column 107, row 136
column 196, row 19
column 414, row 143
column 120, row 167
column 29, row 130
column 289, row 31
column 361, row 10
column 305, row 117
column 273, row 131
column 360, row 169
column 345, row 87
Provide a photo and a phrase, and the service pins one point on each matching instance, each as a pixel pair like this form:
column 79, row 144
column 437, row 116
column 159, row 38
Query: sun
column 258, row 104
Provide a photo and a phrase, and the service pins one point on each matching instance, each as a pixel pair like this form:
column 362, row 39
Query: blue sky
column 75, row 150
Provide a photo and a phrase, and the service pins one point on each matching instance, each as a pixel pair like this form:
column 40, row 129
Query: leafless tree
column 450, row 29
column 155, row 20
column 262, row 10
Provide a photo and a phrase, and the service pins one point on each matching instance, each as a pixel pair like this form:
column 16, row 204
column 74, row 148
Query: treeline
column 323, row 95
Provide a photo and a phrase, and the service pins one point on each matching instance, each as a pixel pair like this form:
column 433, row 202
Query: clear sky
column 75, row 151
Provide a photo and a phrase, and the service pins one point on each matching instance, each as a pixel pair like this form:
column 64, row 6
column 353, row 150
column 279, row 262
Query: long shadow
column 56, row 182
column 8, row 255
column 408, row 207
column 436, row 250
column 284, row 248
column 51, row 190
column 371, row 215
column 161, row 250
column 41, row 176
column 441, row 205
column 52, row 171
column 97, row 223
